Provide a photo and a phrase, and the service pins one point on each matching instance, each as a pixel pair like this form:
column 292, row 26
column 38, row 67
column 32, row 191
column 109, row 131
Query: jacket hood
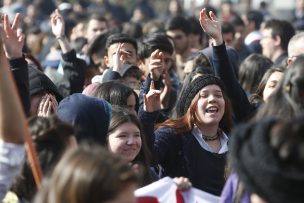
column 89, row 115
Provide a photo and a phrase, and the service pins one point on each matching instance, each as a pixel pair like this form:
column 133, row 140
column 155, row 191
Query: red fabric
column 147, row 199
column 179, row 197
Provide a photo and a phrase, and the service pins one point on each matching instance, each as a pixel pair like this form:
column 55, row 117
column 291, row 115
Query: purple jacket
column 229, row 191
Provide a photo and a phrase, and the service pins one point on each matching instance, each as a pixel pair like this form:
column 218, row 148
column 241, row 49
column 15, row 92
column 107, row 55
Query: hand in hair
column 152, row 99
column 48, row 106
column 12, row 37
column 118, row 59
column 156, row 64
column 211, row 26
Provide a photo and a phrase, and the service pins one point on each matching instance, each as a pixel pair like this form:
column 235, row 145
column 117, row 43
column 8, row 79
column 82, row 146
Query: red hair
column 187, row 121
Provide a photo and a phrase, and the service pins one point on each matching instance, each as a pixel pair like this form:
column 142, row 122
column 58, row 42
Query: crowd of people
column 101, row 103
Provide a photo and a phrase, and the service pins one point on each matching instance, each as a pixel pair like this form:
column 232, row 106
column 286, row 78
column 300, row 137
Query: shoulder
column 165, row 132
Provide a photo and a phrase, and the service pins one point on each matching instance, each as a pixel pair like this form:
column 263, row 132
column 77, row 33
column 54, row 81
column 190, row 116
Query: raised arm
column 73, row 67
column 58, row 29
column 12, row 118
column 211, row 26
column 13, row 41
column 223, row 68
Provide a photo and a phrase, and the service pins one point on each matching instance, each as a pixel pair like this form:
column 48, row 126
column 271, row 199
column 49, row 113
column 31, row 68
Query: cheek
column 266, row 93
column 115, row 145
column 201, row 105
column 223, row 103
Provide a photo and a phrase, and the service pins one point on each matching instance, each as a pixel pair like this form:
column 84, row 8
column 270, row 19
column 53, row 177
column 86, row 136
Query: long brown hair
column 87, row 174
column 186, row 122
column 120, row 116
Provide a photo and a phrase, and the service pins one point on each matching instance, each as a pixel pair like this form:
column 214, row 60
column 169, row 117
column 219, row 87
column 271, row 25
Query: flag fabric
column 165, row 191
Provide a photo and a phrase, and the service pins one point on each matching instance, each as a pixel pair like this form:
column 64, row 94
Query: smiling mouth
column 212, row 110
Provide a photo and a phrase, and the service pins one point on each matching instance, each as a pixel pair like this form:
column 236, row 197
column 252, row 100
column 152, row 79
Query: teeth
column 212, row 110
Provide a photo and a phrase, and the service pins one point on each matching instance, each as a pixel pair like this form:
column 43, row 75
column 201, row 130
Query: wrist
column 14, row 56
column 217, row 41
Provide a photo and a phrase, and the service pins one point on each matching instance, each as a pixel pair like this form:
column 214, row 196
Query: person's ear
column 106, row 60
column 277, row 40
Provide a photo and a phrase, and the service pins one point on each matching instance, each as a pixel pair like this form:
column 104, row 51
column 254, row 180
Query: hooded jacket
column 89, row 115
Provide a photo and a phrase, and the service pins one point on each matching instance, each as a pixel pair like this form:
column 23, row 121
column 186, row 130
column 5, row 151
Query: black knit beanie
column 193, row 88
column 39, row 82
column 260, row 168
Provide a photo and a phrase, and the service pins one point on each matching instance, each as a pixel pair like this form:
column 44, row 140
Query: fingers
column 203, row 14
column 153, row 93
column 154, row 54
column 119, row 48
column 47, row 106
column 20, row 36
column 157, row 59
column 54, row 103
column 57, row 12
column 152, row 85
column 16, row 22
column 6, row 24
column 212, row 16
column 182, row 183
column 157, row 54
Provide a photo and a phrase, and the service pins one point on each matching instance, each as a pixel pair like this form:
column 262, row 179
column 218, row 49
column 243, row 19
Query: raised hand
column 117, row 62
column 12, row 37
column 152, row 99
column 211, row 26
column 165, row 93
column 156, row 64
column 57, row 23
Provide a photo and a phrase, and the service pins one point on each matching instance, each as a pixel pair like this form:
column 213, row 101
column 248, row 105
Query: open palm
column 210, row 24
column 57, row 23
column 12, row 37
column 152, row 99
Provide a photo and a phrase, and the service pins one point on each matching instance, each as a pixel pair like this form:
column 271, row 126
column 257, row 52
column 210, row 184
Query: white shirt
column 223, row 140
column 11, row 159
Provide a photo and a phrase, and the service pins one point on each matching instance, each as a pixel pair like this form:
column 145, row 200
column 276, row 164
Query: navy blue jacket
column 242, row 108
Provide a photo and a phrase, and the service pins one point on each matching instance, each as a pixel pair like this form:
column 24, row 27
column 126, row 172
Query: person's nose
column 131, row 140
column 211, row 98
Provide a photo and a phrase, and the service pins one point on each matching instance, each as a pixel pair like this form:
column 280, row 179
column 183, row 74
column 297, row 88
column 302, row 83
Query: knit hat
column 39, row 82
column 89, row 115
column 193, row 88
column 90, row 89
column 267, row 168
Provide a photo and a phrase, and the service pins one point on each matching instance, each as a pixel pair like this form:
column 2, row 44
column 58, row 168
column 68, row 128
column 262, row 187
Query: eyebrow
column 217, row 91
